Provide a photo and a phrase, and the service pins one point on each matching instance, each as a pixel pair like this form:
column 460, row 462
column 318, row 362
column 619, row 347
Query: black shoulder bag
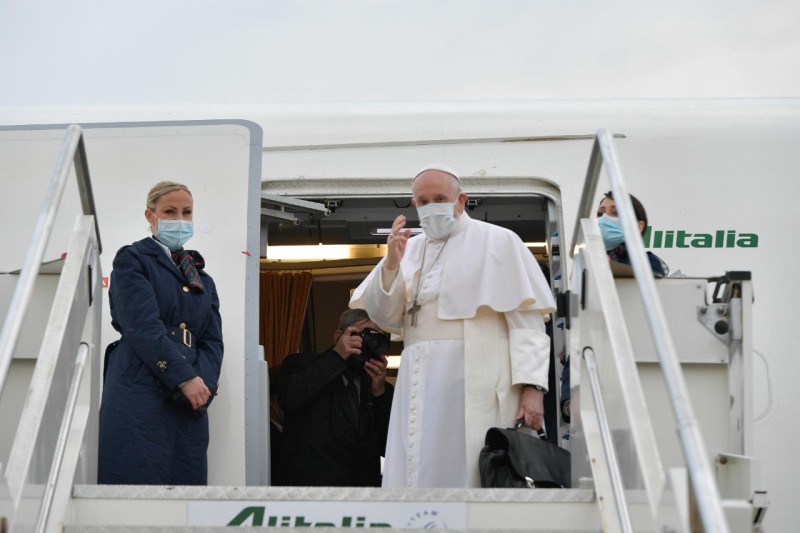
column 513, row 458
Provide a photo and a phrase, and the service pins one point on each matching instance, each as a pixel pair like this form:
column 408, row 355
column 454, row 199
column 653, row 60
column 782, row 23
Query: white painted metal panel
column 218, row 162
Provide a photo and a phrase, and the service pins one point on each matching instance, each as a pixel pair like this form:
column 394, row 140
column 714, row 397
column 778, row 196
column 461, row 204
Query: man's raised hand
column 396, row 242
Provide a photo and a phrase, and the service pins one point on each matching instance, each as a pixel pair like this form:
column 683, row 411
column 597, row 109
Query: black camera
column 373, row 345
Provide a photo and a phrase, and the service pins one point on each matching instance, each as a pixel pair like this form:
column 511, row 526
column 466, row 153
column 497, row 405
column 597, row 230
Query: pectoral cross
column 413, row 310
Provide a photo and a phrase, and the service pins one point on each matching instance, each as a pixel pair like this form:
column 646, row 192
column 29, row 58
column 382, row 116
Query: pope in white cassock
column 470, row 302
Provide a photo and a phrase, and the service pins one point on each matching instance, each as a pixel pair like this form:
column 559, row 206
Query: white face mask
column 174, row 233
column 438, row 220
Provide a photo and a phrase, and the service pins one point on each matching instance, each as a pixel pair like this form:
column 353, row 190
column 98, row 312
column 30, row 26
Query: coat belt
column 181, row 335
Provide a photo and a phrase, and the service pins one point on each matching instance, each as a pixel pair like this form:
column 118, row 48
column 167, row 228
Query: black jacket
column 322, row 444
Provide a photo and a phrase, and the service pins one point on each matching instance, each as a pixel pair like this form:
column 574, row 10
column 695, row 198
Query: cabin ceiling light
column 387, row 231
column 324, row 252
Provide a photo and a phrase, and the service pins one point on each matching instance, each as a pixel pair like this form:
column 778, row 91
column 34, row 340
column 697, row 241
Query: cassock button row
column 409, row 484
column 416, row 381
column 410, row 444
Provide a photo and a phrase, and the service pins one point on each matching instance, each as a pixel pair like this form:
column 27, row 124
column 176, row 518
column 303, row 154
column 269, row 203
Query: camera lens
column 377, row 343
column 374, row 343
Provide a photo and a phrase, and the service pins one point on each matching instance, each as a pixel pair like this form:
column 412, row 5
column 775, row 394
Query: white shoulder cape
column 484, row 265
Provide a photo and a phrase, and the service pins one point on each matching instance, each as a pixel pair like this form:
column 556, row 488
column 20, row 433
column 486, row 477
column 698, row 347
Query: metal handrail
column 61, row 444
column 701, row 474
column 72, row 151
column 617, row 487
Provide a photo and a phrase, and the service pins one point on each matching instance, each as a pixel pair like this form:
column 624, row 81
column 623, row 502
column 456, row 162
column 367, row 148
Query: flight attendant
column 162, row 374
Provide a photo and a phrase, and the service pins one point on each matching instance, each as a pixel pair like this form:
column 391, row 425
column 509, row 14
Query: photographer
column 336, row 408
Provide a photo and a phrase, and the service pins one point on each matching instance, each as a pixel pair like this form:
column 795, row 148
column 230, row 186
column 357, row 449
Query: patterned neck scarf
column 190, row 263
column 618, row 254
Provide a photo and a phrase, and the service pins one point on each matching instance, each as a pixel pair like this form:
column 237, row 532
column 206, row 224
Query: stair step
column 153, row 508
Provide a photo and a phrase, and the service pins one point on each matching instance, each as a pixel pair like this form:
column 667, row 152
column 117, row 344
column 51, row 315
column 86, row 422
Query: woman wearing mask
column 611, row 229
column 162, row 374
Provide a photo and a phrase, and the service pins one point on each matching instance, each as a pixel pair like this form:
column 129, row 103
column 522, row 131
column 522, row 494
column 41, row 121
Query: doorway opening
column 335, row 243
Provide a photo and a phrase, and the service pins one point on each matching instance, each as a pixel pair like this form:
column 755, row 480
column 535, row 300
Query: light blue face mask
column 174, row 233
column 611, row 229
column 438, row 220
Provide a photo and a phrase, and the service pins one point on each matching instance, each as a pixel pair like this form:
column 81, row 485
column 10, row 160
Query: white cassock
column 479, row 336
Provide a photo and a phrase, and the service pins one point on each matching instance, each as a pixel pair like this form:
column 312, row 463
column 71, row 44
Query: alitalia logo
column 255, row 516
column 683, row 239
column 352, row 514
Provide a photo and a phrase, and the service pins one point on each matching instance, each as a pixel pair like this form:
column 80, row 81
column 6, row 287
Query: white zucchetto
column 439, row 167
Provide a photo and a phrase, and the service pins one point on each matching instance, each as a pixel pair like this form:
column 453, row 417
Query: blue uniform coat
column 146, row 438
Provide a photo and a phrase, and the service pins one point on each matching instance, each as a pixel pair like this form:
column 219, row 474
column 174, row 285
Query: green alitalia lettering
column 747, row 240
column 300, row 521
column 701, row 240
column 671, row 238
column 254, row 516
column 256, row 512
column 680, row 239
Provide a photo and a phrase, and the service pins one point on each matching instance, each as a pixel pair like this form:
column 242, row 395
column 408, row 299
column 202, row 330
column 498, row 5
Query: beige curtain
column 283, row 303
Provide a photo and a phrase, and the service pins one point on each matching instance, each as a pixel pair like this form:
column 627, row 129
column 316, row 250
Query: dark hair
column 638, row 208
column 350, row 317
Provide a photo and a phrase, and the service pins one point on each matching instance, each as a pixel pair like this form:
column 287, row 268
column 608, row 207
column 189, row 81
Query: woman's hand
column 396, row 242
column 196, row 392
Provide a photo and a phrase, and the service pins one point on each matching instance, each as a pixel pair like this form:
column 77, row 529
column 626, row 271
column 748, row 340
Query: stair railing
column 29, row 478
column 72, row 152
column 701, row 474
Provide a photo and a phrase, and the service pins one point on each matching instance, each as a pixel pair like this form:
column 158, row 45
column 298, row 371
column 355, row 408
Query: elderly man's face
column 435, row 186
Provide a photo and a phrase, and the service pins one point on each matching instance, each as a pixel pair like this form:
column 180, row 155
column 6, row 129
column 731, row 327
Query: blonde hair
column 160, row 189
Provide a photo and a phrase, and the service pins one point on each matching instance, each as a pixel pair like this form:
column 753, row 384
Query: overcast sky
column 77, row 52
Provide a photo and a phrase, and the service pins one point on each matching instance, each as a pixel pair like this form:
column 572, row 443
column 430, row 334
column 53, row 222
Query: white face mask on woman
column 174, row 233
column 438, row 220
column 611, row 229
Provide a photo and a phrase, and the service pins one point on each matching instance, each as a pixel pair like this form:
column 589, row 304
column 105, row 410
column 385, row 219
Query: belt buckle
column 187, row 338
